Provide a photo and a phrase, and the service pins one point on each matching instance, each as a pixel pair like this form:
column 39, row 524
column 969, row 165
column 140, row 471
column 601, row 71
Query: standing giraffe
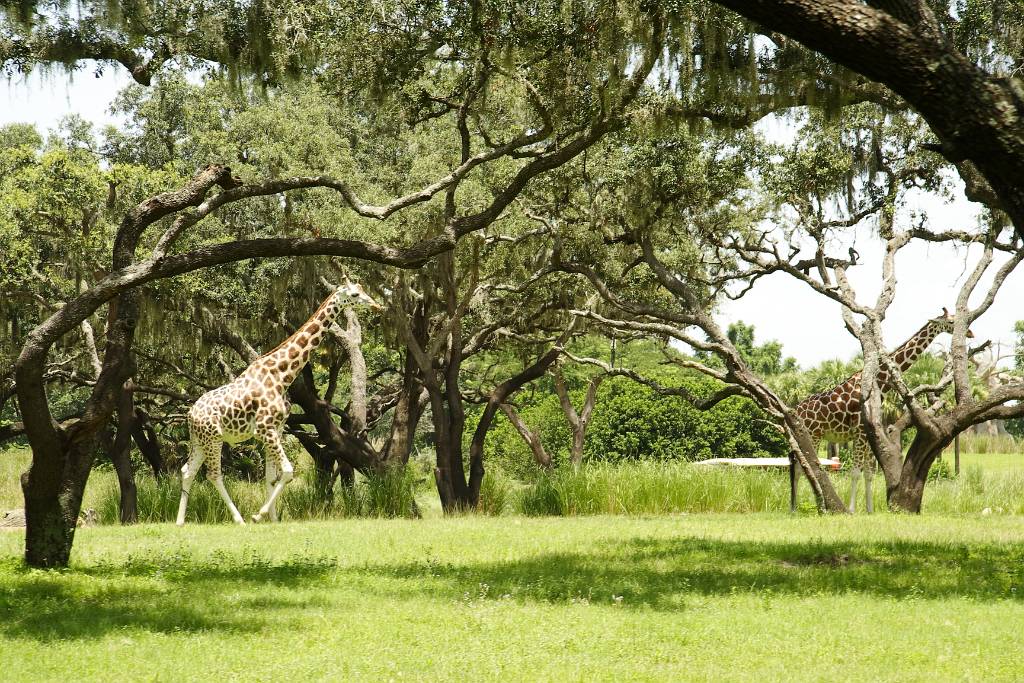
column 254, row 405
column 834, row 415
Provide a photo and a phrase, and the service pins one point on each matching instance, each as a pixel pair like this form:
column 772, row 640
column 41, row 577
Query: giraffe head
column 944, row 323
column 352, row 294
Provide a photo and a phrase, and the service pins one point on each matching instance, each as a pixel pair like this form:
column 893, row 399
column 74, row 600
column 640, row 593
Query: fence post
column 956, row 454
column 793, row 480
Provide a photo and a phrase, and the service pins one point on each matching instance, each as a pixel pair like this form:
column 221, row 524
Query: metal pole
column 956, row 454
column 793, row 480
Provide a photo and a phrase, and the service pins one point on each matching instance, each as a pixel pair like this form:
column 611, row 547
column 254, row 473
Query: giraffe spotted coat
column 834, row 415
column 254, row 404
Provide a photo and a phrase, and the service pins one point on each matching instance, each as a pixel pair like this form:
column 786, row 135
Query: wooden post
column 956, row 454
column 793, row 480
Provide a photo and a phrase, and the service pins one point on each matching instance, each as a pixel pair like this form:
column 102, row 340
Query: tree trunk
column 908, row 493
column 532, row 438
column 449, row 471
column 497, row 397
column 146, row 439
column 578, row 422
column 53, row 488
column 120, row 456
column 408, row 411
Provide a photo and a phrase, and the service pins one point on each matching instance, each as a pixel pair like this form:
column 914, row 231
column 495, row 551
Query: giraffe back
column 834, row 414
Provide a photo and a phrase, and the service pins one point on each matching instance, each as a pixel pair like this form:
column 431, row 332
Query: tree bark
column 495, row 400
column 120, row 456
column 532, row 438
column 976, row 115
column 578, row 422
column 146, row 439
column 908, row 493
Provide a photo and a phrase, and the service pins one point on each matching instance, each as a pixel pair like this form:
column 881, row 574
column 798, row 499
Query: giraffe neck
column 285, row 362
column 910, row 351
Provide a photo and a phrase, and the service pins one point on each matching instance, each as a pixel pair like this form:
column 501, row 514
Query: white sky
column 809, row 326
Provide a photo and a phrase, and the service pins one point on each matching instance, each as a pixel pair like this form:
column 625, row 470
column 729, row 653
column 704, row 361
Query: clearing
column 718, row 597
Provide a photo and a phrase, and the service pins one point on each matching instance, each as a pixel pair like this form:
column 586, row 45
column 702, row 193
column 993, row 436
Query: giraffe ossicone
column 254, row 404
column 834, row 415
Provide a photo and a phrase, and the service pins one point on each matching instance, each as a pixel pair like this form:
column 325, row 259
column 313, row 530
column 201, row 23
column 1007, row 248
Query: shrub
column 631, row 422
column 495, row 492
column 940, row 470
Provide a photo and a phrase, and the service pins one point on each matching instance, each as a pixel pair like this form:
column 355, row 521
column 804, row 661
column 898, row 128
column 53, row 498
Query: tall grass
column 388, row 495
column 496, row 492
column 15, row 460
column 984, row 444
column 990, row 482
column 666, row 488
column 976, row 490
column 652, row 488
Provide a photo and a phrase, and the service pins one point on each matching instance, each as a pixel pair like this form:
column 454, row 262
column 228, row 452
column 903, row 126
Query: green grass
column 385, row 496
column 665, row 488
column 990, row 462
column 684, row 597
column 988, row 481
column 15, row 460
column 654, row 487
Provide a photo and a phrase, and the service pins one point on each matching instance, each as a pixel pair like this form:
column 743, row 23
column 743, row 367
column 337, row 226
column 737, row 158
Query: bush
column 506, row 449
column 631, row 422
column 634, row 423
column 940, row 470
column 495, row 492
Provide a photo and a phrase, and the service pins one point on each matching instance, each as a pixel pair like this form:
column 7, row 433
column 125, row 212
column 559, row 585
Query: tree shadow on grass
column 665, row 573
column 186, row 595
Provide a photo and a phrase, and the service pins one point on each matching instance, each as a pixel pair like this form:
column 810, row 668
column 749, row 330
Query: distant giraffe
column 254, row 405
column 834, row 415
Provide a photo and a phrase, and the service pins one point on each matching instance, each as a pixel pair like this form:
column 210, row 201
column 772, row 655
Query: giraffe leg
column 188, row 475
column 213, row 474
column 270, row 470
column 219, row 484
column 272, row 441
column 854, row 480
column 863, row 460
column 868, row 500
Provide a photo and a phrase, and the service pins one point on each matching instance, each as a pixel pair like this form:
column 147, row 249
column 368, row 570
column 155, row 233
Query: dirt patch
column 834, row 561
column 12, row 520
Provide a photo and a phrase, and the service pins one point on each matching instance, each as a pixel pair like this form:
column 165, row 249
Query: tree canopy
column 532, row 188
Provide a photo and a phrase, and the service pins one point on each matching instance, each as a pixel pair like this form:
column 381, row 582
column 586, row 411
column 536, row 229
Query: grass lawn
column 990, row 462
column 685, row 597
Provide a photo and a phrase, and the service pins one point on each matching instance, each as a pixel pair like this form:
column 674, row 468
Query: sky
column 809, row 326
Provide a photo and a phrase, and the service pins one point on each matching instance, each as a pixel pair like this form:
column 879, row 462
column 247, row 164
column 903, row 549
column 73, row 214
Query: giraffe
column 254, row 405
column 834, row 415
